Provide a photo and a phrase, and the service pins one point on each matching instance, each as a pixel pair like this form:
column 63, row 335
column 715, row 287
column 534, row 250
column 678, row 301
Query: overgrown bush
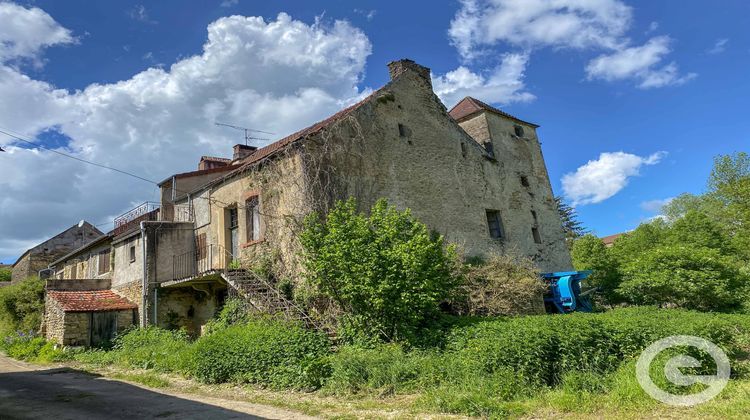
column 5, row 274
column 386, row 271
column 31, row 348
column 154, row 348
column 503, row 285
column 21, row 306
column 266, row 352
column 684, row 277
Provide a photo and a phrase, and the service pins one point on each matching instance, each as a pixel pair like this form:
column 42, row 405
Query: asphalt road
column 28, row 392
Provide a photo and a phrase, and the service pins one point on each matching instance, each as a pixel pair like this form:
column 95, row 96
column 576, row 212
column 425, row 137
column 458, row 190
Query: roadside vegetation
column 427, row 330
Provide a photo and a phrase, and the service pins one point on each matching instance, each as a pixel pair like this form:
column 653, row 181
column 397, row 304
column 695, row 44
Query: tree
column 5, row 274
column 572, row 227
column 386, row 270
column 685, row 277
column 590, row 253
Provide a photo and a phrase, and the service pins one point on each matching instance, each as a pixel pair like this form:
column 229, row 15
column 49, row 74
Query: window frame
column 498, row 232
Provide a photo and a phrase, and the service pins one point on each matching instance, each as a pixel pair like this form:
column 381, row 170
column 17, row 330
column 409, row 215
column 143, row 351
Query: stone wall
column 131, row 291
column 54, row 321
column 186, row 307
column 22, row 269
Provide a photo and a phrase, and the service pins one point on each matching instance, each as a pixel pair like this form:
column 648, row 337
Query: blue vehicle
column 564, row 292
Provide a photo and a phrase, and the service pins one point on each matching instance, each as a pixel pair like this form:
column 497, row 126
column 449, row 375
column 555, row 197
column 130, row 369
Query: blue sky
column 658, row 87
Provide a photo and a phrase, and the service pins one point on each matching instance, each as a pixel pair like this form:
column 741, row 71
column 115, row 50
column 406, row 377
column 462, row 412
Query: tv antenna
column 245, row 130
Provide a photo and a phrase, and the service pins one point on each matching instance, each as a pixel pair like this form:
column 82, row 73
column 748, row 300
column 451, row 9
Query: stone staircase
column 264, row 297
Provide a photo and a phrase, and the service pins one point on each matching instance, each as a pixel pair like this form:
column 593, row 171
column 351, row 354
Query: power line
column 9, row 133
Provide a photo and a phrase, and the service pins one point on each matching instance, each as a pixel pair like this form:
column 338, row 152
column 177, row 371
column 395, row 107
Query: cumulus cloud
column 600, row 179
column 504, row 84
column 538, row 23
column 591, row 25
column 25, row 32
column 278, row 76
column 640, row 63
column 655, row 206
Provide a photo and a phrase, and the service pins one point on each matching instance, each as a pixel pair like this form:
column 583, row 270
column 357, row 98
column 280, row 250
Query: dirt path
column 34, row 392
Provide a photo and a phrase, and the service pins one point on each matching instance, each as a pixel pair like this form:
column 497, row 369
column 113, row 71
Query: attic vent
column 518, row 130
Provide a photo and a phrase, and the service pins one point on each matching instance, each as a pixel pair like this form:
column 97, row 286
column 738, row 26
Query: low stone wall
column 133, row 292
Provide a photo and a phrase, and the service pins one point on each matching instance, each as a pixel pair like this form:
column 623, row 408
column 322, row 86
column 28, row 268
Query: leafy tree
column 572, row 227
column 385, row 270
column 645, row 237
column 684, row 276
column 22, row 306
column 590, row 253
column 5, row 274
column 697, row 229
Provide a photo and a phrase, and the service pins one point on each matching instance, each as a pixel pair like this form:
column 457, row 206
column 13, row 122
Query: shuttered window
column 253, row 218
column 201, row 246
column 104, row 262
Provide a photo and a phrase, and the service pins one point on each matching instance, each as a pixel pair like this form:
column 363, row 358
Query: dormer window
column 518, row 130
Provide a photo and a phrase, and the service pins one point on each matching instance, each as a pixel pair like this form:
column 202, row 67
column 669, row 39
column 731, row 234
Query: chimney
column 242, row 151
column 396, row 68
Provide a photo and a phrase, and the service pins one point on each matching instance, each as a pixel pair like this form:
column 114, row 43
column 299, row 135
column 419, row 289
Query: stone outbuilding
column 85, row 312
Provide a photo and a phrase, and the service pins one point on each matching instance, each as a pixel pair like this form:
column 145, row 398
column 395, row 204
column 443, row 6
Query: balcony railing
column 209, row 259
column 146, row 211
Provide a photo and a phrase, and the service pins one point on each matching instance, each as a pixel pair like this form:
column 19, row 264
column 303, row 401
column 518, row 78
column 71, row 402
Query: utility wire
column 9, row 133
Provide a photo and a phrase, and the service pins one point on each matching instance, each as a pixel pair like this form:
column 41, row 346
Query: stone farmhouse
column 474, row 174
column 40, row 256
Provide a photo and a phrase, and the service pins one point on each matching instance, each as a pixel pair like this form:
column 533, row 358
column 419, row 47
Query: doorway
column 103, row 327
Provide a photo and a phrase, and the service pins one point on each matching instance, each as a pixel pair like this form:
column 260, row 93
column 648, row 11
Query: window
column 524, row 181
column 533, row 215
column 234, row 221
column 535, row 234
column 490, row 149
column 252, row 205
column 495, row 224
column 518, row 130
column 104, row 262
column 401, row 130
column 131, row 253
column 463, row 149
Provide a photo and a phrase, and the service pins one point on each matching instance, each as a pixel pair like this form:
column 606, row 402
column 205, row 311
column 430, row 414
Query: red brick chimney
column 242, row 151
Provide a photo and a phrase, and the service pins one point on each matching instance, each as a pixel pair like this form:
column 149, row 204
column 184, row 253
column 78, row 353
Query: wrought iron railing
column 146, row 211
column 209, row 259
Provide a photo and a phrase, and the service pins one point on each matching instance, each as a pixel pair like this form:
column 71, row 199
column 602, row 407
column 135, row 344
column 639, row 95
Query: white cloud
column 503, row 84
column 278, row 76
column 25, row 32
column 655, row 206
column 600, row 179
column 369, row 14
column 590, row 25
column 652, row 27
column 719, row 46
column 639, row 63
column 229, row 3
column 538, row 23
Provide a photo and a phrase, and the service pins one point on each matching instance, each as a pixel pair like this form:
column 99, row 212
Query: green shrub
column 265, row 352
column 153, row 348
column 5, row 274
column 32, row 348
column 685, row 277
column 21, row 306
column 386, row 271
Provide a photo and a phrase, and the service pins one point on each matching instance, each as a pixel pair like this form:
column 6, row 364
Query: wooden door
column 103, row 327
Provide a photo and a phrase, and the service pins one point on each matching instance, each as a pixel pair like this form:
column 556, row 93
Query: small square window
column 495, row 224
column 536, row 235
column 401, row 130
column 524, row 181
column 131, row 253
column 518, row 130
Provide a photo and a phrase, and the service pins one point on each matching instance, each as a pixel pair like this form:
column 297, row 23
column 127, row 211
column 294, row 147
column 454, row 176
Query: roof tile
column 90, row 300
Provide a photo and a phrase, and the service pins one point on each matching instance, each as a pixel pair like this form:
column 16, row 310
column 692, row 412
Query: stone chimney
column 398, row 67
column 242, row 151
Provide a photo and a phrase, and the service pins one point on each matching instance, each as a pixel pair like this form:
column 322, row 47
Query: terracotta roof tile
column 469, row 106
column 90, row 300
